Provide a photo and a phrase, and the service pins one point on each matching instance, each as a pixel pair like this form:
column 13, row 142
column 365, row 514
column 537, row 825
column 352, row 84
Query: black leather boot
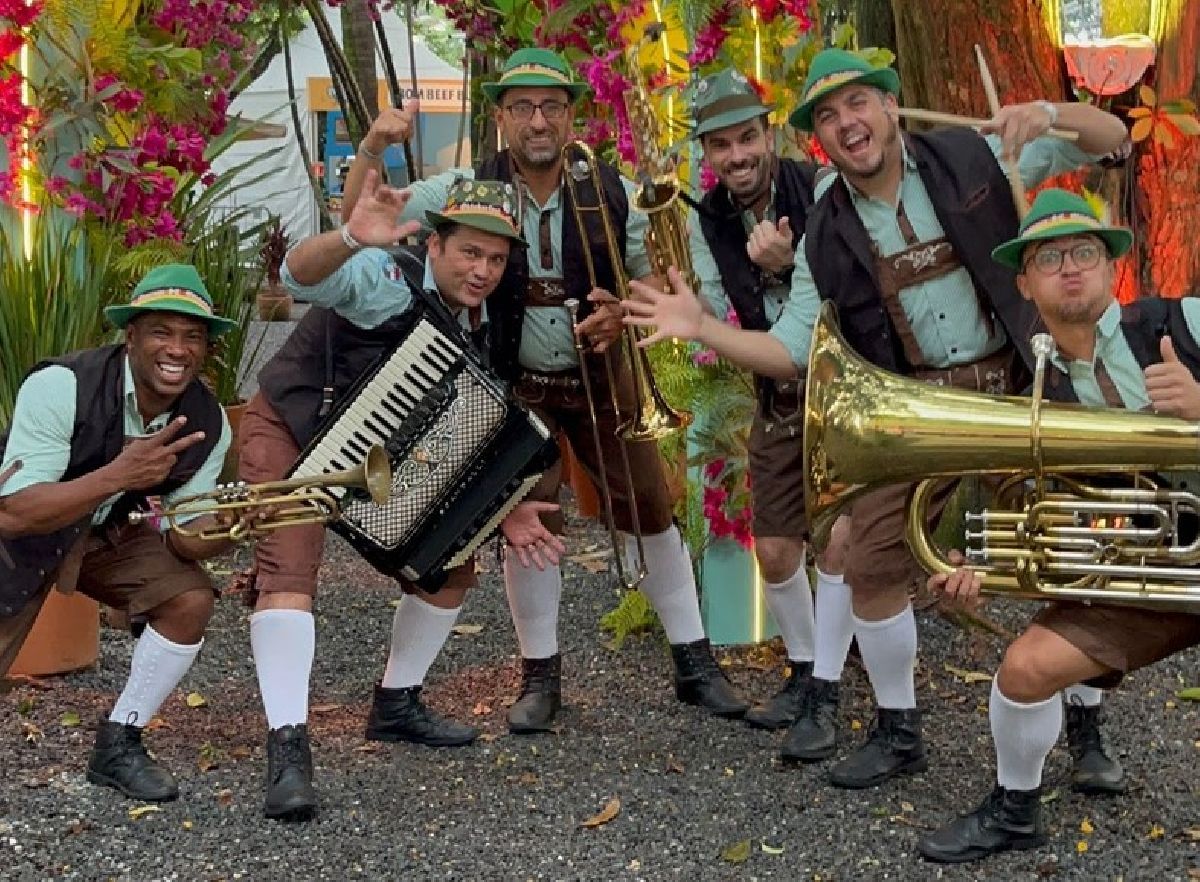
column 120, row 760
column 1093, row 770
column 699, row 680
column 1008, row 819
column 290, row 794
column 814, row 734
column 400, row 715
column 540, row 698
column 894, row 747
column 781, row 709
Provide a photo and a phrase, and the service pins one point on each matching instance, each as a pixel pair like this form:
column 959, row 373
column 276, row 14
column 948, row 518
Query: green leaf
column 69, row 720
column 736, row 852
column 1192, row 693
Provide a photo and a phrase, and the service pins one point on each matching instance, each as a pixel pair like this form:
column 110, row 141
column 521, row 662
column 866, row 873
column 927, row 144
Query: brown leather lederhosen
column 560, row 400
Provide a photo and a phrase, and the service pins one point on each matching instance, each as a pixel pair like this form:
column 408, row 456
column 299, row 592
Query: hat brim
column 121, row 316
column 1117, row 239
column 729, row 118
column 881, row 77
column 493, row 91
column 484, row 222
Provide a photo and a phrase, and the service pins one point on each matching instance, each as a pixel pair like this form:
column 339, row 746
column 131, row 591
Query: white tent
column 286, row 192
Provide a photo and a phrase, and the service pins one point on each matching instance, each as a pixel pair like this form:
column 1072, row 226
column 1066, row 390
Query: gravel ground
column 695, row 793
column 508, row 807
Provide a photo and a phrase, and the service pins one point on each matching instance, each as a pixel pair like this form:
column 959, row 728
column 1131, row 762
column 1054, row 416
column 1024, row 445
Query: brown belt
column 992, row 373
column 558, row 380
column 545, row 292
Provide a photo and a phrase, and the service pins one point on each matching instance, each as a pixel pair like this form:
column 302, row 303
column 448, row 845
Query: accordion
column 462, row 454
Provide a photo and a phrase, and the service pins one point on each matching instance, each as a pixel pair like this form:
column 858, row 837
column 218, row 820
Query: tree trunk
column 483, row 130
column 358, row 42
column 1168, row 178
column 935, row 42
column 875, row 24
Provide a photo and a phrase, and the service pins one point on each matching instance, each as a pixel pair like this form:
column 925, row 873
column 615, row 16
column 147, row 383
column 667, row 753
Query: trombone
column 290, row 503
column 652, row 417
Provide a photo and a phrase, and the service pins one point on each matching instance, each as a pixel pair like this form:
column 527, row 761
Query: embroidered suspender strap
column 889, row 291
column 545, row 292
column 545, row 246
column 1112, row 397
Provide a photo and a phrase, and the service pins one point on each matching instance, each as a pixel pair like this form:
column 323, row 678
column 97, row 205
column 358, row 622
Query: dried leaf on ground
column 673, row 765
column 771, row 849
column 224, row 797
column 467, row 630
column 1191, row 834
column 1085, row 826
column 966, row 676
column 592, row 561
column 209, row 758
column 157, row 723
column 481, row 709
column 143, row 810
column 195, row 699
column 324, row 708
column 33, row 734
column 736, row 852
column 25, row 706
column 1156, row 832
column 69, row 719
column 611, row 809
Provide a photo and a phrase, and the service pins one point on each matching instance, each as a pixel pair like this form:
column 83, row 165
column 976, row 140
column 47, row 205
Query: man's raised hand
column 375, row 219
column 146, row 462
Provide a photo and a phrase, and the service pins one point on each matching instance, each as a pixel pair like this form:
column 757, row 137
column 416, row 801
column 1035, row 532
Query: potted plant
column 274, row 302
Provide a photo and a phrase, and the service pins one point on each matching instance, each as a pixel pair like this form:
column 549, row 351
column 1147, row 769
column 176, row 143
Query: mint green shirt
column 944, row 312
column 1112, row 350
column 367, row 289
column 547, row 341
column 44, row 419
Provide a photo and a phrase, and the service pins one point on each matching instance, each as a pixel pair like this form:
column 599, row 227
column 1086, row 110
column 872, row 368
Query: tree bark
column 935, row 42
column 1168, row 178
column 358, row 42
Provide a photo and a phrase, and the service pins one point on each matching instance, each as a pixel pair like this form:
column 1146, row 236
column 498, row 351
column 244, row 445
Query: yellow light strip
column 758, row 75
column 26, row 163
column 760, row 623
column 666, row 48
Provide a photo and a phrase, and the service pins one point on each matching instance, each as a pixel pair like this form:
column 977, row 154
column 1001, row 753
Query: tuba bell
column 1059, row 532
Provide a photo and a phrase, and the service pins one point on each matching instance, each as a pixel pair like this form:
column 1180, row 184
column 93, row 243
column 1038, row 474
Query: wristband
column 367, row 152
column 351, row 243
column 1051, row 109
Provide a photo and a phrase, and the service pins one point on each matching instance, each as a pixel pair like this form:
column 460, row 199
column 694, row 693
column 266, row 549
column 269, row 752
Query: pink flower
column 708, row 177
column 704, row 357
column 712, row 470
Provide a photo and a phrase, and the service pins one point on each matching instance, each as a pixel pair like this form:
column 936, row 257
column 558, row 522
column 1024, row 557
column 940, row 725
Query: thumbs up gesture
column 772, row 246
column 1171, row 387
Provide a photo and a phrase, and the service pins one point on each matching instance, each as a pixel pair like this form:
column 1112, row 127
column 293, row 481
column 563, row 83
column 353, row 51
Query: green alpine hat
column 723, row 99
column 535, row 67
column 831, row 70
column 173, row 287
column 1057, row 213
column 490, row 206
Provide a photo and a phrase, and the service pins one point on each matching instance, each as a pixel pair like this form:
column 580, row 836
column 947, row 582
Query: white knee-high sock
column 889, row 653
column 419, row 631
column 670, row 584
column 157, row 667
column 835, row 626
column 284, row 642
column 1024, row 735
column 533, row 598
column 1088, row 696
column 791, row 603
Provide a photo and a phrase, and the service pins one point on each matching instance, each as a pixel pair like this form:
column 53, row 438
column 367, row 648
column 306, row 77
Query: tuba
column 291, row 503
column 1057, row 531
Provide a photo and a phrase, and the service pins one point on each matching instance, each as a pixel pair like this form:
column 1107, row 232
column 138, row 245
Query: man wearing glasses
column 1140, row 357
column 531, row 346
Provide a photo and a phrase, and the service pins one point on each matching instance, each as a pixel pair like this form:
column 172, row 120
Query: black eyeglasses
column 1085, row 255
column 553, row 111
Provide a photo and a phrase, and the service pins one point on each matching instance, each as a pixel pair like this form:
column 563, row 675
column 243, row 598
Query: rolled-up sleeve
column 1045, row 157
column 795, row 324
column 361, row 290
column 430, row 194
column 40, row 434
column 637, row 259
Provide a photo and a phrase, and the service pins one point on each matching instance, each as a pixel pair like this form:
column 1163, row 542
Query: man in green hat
column 743, row 247
column 363, row 302
column 94, row 436
column 1143, row 356
column 901, row 241
column 534, row 349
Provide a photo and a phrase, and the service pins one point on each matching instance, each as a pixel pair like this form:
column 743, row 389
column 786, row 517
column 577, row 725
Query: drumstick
column 954, row 119
column 1010, row 165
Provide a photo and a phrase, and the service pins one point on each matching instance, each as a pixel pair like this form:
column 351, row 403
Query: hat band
column 538, row 69
column 479, row 208
column 832, row 81
column 1061, row 219
column 158, row 294
column 726, row 104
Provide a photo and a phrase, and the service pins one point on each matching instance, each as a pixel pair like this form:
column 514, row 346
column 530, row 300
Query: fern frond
column 633, row 615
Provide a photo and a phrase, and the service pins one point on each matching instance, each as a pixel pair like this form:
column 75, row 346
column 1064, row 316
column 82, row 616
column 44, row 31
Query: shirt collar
column 908, row 163
column 1107, row 327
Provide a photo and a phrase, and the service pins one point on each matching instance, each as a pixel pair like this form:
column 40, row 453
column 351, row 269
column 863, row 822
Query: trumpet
column 290, row 503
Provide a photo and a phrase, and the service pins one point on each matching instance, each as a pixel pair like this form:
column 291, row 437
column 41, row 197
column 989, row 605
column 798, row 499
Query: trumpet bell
column 377, row 475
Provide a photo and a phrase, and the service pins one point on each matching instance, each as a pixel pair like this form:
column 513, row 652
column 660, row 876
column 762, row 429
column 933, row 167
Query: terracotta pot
column 274, row 303
column 65, row 636
column 233, row 413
